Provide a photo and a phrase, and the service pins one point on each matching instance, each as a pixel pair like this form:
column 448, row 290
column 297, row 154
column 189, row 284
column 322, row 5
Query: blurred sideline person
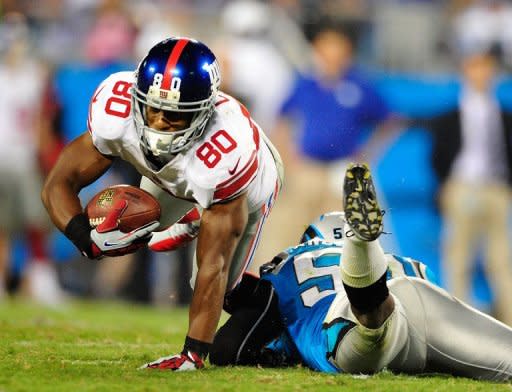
column 21, row 212
column 472, row 158
column 338, row 303
column 323, row 124
column 484, row 24
column 200, row 153
column 249, row 52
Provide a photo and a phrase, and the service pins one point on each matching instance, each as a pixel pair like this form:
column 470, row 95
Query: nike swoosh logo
column 232, row 171
column 107, row 244
column 120, row 241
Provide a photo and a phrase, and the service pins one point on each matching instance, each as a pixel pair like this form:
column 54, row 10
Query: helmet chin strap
column 156, row 162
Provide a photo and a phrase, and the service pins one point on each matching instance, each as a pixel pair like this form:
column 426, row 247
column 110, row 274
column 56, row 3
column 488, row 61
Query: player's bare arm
column 79, row 164
column 221, row 228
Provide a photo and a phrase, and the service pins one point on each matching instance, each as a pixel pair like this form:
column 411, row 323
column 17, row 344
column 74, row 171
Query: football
column 142, row 208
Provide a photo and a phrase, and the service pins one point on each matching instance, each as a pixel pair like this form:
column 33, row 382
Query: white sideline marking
column 89, row 344
column 89, row 362
column 361, row 376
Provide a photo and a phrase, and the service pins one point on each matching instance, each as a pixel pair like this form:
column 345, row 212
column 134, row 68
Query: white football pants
column 429, row 331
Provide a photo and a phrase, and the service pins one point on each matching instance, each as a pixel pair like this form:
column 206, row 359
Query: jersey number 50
column 318, row 275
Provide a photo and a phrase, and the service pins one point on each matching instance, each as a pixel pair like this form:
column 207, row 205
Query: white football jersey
column 231, row 157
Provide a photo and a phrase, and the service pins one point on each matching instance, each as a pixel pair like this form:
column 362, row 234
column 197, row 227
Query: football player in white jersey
column 199, row 152
column 337, row 303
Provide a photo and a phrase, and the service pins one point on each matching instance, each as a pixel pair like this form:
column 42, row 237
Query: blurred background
column 419, row 89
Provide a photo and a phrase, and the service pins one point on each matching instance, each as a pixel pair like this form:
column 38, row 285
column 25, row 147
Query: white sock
column 363, row 262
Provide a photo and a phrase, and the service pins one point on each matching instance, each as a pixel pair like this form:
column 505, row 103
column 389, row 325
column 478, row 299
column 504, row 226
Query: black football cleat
column 362, row 211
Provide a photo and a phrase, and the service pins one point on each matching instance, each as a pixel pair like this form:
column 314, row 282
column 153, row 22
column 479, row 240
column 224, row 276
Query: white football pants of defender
column 429, row 331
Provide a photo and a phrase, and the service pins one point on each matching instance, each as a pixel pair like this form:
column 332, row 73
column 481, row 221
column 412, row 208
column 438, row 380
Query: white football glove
column 174, row 237
column 177, row 235
column 108, row 240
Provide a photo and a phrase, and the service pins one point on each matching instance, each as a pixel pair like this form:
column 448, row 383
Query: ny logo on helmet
column 214, row 73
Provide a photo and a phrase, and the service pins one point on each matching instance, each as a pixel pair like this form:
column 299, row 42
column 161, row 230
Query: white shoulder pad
column 110, row 112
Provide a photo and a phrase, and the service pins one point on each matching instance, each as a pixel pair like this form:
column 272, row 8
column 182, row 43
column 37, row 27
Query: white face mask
column 164, row 144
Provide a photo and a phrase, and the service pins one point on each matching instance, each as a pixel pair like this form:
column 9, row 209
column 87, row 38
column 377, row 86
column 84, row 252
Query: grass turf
column 98, row 346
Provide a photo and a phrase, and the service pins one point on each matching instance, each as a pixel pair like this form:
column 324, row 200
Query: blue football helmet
column 327, row 227
column 179, row 75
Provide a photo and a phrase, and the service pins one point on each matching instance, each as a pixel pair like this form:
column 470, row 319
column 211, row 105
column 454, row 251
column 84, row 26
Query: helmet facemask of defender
column 178, row 75
column 327, row 227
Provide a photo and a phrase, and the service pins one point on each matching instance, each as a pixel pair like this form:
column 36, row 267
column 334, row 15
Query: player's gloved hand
column 177, row 235
column 108, row 240
column 185, row 361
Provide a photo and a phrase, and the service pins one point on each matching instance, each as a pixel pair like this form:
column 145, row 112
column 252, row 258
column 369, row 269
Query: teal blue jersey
column 306, row 280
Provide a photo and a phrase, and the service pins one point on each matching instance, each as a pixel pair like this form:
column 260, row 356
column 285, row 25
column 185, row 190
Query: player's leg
column 4, row 262
column 498, row 261
column 180, row 219
column 8, row 216
column 364, row 265
column 172, row 208
column 246, row 248
column 40, row 279
column 453, row 337
column 459, row 204
column 380, row 333
column 253, row 323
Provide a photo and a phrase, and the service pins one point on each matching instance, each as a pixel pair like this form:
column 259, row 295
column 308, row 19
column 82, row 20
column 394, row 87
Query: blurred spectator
column 325, row 117
column 21, row 212
column 354, row 13
column 249, row 54
column 485, row 24
column 472, row 157
column 410, row 34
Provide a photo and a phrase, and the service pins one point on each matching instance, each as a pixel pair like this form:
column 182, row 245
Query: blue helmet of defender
column 327, row 227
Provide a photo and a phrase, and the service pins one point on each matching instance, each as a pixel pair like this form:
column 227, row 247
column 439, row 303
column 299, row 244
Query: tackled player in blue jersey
column 337, row 303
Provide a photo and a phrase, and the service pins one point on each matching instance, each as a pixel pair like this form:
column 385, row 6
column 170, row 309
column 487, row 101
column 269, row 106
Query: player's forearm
column 61, row 202
column 215, row 249
column 79, row 165
column 221, row 228
column 206, row 306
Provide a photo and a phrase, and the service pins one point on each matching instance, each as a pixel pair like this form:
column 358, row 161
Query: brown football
column 142, row 207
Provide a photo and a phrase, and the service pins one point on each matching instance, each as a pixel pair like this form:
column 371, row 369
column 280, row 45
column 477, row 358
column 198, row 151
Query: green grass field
column 93, row 346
